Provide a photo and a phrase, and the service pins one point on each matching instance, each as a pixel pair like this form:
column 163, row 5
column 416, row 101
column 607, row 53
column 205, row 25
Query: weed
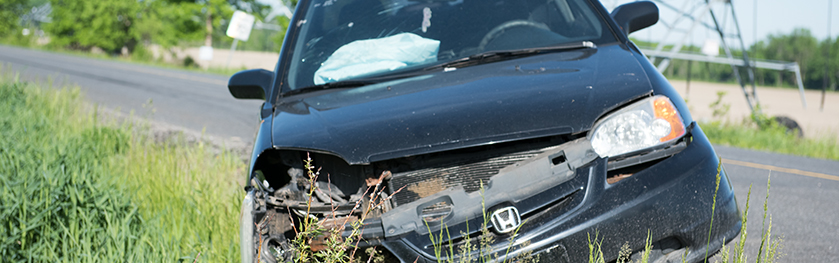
column 719, row 108
column 770, row 246
column 714, row 206
column 769, row 249
column 483, row 248
column 336, row 249
column 595, row 252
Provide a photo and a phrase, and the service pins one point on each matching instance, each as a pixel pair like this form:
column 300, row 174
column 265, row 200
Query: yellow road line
column 781, row 169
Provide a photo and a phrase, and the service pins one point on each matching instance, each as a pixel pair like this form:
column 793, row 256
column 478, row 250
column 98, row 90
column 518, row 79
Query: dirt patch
column 774, row 101
column 428, row 187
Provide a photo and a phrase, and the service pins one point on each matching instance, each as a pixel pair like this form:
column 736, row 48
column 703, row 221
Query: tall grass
column 769, row 249
column 74, row 188
column 775, row 139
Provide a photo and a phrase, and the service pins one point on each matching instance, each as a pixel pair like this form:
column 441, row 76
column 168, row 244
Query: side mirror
column 635, row 16
column 251, row 84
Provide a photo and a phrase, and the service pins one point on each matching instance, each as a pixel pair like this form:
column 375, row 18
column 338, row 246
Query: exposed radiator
column 467, row 172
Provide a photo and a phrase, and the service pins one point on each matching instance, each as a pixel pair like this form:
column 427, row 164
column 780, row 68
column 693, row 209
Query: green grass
column 76, row 188
column 774, row 139
column 759, row 132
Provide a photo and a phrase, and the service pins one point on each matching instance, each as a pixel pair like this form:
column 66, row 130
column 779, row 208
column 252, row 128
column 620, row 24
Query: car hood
column 544, row 95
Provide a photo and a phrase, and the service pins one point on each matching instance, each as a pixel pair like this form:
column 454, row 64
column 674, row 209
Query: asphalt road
column 802, row 201
column 195, row 103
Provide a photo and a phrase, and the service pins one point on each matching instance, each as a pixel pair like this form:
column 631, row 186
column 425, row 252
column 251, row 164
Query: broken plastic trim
column 518, row 182
column 636, row 158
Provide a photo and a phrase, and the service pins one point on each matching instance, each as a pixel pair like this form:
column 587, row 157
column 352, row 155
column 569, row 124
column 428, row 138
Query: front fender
column 263, row 140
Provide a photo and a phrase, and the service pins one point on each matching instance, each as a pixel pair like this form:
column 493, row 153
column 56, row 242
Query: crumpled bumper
column 565, row 200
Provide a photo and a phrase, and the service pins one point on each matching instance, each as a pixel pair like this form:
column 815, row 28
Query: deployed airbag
column 368, row 56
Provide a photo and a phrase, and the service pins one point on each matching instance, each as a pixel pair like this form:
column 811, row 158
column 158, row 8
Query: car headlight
column 645, row 124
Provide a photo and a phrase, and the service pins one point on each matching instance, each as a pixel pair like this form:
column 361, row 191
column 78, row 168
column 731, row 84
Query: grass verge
column 760, row 132
column 75, row 188
column 774, row 139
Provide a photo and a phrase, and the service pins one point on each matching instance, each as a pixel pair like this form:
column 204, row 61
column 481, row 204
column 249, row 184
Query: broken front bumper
column 567, row 195
column 564, row 199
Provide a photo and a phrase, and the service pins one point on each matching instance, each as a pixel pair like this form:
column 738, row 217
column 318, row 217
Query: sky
column 773, row 17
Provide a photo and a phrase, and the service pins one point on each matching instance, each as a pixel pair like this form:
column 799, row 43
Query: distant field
column 774, row 102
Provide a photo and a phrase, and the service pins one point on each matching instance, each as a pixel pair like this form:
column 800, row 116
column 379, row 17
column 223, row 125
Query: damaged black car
column 536, row 122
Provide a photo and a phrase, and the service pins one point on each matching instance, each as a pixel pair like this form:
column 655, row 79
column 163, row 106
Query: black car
column 539, row 117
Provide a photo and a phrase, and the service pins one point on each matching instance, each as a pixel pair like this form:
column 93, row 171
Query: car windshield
column 339, row 40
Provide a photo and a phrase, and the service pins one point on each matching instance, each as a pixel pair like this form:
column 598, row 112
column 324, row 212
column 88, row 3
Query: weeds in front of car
column 337, row 249
column 465, row 250
column 768, row 252
column 76, row 188
column 340, row 249
column 769, row 249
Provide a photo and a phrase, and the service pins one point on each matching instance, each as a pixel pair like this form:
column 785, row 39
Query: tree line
column 815, row 59
column 115, row 26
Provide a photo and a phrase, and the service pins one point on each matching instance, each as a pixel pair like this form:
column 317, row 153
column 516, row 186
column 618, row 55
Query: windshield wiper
column 480, row 58
column 354, row 83
column 332, row 85
column 498, row 55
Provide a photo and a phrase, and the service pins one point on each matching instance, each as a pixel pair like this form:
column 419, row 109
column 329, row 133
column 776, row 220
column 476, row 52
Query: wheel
column 499, row 30
column 790, row 124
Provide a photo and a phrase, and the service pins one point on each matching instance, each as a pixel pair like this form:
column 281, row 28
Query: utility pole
column 827, row 56
column 754, row 40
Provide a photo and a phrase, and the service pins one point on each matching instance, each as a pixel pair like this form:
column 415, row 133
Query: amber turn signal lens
column 664, row 110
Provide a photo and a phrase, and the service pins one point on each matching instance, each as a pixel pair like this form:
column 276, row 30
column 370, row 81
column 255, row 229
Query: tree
column 800, row 46
column 208, row 17
column 114, row 24
column 106, row 24
column 10, row 12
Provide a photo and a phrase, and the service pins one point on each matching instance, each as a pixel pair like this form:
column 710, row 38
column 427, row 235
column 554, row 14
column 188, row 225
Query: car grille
column 469, row 173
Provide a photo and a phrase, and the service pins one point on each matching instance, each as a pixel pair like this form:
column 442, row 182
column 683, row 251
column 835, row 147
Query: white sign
column 205, row 53
column 240, row 26
column 711, row 48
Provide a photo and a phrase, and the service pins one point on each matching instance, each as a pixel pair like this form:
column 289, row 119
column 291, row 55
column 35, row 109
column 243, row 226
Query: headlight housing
column 645, row 124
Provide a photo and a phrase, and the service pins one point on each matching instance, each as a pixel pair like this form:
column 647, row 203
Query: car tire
column 790, row 124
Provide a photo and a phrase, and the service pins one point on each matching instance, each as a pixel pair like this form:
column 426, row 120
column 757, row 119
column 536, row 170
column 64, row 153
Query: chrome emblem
column 505, row 220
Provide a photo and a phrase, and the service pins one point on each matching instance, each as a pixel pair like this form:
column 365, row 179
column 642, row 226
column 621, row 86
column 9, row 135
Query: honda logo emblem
column 505, row 220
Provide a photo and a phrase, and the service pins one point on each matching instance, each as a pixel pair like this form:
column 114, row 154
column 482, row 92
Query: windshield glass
column 342, row 40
